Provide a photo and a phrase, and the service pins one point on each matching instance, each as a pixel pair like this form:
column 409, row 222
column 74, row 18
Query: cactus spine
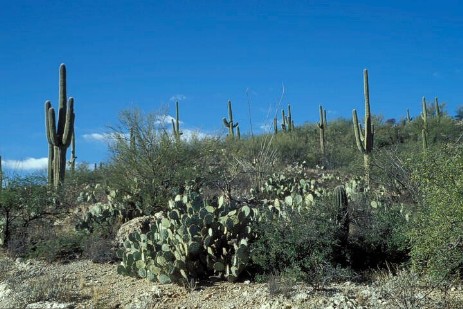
column 424, row 131
column 321, row 127
column 229, row 123
column 59, row 135
column 364, row 140
column 176, row 124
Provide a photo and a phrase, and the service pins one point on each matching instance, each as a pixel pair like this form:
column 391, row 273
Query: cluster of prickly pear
column 281, row 186
column 195, row 239
column 98, row 214
column 91, row 193
column 116, row 209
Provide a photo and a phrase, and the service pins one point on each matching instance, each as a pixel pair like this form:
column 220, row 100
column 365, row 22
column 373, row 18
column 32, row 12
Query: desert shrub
column 57, row 247
column 149, row 165
column 303, row 244
column 437, row 233
column 24, row 202
column 98, row 247
column 377, row 232
column 341, row 150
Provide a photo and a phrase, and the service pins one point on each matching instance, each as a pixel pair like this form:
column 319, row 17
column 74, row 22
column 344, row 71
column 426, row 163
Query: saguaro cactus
column 275, row 125
column 321, row 127
column 343, row 220
column 437, row 108
column 176, row 124
column 229, row 123
column 287, row 123
column 59, row 135
column 424, row 131
column 408, row 119
column 72, row 161
column 364, row 140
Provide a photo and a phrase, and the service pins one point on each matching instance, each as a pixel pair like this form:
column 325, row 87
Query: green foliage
column 57, row 246
column 153, row 164
column 303, row 243
column 438, row 227
column 23, row 201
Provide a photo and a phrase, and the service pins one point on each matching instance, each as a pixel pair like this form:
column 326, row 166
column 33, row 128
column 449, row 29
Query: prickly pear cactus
column 116, row 208
column 195, row 239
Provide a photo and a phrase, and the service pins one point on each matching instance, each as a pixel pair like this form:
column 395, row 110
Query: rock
column 50, row 305
column 140, row 224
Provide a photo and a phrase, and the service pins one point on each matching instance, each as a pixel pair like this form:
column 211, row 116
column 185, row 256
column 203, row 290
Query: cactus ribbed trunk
column 176, row 124
column 424, row 131
column 72, row 161
column 364, row 140
column 59, row 135
column 229, row 123
column 321, row 127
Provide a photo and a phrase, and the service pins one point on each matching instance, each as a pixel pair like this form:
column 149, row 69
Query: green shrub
column 377, row 236
column 437, row 234
column 57, row 247
column 302, row 244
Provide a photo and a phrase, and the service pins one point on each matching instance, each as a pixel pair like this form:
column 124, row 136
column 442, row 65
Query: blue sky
column 144, row 54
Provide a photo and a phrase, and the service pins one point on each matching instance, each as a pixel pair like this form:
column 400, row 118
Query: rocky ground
column 84, row 284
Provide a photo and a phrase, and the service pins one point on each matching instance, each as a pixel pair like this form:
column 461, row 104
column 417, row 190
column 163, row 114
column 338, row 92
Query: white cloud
column 96, row 136
column 28, row 164
column 101, row 137
column 164, row 120
column 267, row 127
column 188, row 135
column 177, row 97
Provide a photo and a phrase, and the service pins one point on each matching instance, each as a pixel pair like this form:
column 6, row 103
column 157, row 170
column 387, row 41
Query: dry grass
column 405, row 289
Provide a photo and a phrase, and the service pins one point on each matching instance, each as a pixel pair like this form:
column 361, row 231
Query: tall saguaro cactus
column 437, row 107
column 59, row 135
column 322, row 127
column 287, row 121
column 364, row 140
column 424, row 131
column 176, row 124
column 229, row 123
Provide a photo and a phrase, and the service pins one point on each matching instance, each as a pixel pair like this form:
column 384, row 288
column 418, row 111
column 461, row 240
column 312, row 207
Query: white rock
column 50, row 305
